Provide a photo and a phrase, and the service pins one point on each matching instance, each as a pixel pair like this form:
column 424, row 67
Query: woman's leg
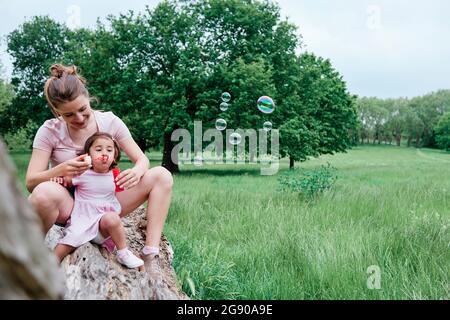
column 156, row 187
column 111, row 225
column 52, row 202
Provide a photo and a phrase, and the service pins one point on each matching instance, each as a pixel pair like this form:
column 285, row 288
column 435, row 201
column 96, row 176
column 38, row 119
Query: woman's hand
column 127, row 179
column 74, row 167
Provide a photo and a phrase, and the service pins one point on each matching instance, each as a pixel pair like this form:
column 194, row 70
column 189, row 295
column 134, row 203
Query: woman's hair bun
column 58, row 70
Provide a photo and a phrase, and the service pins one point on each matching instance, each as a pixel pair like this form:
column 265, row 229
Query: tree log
column 28, row 270
column 93, row 273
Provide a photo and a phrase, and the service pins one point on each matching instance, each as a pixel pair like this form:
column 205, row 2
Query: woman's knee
column 45, row 195
column 160, row 176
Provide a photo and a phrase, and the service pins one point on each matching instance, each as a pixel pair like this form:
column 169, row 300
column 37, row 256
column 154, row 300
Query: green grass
column 236, row 237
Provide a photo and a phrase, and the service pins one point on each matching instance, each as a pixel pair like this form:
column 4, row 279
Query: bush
column 22, row 139
column 308, row 182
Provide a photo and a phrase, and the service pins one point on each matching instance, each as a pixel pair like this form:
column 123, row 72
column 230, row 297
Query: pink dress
column 94, row 196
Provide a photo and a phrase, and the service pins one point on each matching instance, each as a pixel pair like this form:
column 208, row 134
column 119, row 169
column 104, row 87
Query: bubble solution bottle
column 116, row 172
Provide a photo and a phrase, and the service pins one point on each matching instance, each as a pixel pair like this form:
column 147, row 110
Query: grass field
column 236, row 237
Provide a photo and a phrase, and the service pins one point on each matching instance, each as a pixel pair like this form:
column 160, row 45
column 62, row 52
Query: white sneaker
column 129, row 260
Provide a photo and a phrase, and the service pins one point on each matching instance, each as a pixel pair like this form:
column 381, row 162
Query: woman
column 58, row 140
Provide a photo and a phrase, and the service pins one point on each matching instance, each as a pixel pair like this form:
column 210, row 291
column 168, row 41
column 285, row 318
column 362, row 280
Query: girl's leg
column 156, row 187
column 111, row 225
column 62, row 250
column 52, row 202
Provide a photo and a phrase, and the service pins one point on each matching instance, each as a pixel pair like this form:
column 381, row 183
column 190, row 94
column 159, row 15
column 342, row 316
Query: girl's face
column 77, row 113
column 102, row 153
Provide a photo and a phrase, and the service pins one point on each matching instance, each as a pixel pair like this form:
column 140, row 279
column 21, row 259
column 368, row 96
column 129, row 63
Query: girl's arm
column 131, row 177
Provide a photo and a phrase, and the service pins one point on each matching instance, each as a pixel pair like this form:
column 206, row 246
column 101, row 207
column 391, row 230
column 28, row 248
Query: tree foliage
column 164, row 68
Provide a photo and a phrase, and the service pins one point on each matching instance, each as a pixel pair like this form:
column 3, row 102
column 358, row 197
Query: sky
column 382, row 48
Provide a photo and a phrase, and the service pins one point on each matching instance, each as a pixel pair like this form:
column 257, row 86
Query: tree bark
column 291, row 163
column 167, row 155
column 27, row 269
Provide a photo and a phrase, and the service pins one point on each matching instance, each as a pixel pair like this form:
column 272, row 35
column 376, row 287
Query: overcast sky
column 384, row 48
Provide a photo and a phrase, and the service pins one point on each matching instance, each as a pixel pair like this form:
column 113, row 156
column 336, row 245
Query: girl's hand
column 59, row 180
column 74, row 167
column 64, row 181
column 128, row 179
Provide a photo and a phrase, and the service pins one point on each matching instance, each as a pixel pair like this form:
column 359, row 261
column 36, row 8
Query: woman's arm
column 129, row 178
column 38, row 171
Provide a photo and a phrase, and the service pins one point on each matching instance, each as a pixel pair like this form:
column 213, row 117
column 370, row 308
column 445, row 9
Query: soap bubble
column 265, row 104
column 267, row 126
column 224, row 106
column 226, row 97
column 235, row 138
column 221, row 124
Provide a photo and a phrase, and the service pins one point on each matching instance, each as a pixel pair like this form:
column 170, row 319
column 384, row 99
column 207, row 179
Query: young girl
column 96, row 209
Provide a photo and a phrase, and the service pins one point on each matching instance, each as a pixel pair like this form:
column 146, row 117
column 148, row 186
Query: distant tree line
column 420, row 122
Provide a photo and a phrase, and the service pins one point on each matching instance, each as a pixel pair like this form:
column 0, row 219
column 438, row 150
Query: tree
column 34, row 46
column 396, row 120
column 173, row 62
column 6, row 97
column 443, row 132
column 319, row 114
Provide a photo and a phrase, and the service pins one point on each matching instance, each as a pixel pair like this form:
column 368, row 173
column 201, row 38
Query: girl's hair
column 64, row 85
column 90, row 141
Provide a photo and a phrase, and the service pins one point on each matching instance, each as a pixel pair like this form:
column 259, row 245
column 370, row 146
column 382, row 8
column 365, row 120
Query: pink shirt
column 53, row 136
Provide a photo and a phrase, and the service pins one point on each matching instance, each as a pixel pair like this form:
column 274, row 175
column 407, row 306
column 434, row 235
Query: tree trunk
column 92, row 273
column 409, row 141
column 398, row 138
column 291, row 163
column 142, row 144
column 417, row 141
column 27, row 269
column 167, row 155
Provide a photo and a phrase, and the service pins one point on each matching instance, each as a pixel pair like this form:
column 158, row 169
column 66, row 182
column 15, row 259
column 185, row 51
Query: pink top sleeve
column 114, row 125
column 75, row 181
column 43, row 140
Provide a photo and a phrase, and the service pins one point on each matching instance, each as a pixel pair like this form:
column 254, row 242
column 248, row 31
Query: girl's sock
column 122, row 252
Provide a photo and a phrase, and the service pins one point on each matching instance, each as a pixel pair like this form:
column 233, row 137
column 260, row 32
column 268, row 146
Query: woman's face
column 102, row 153
column 76, row 113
